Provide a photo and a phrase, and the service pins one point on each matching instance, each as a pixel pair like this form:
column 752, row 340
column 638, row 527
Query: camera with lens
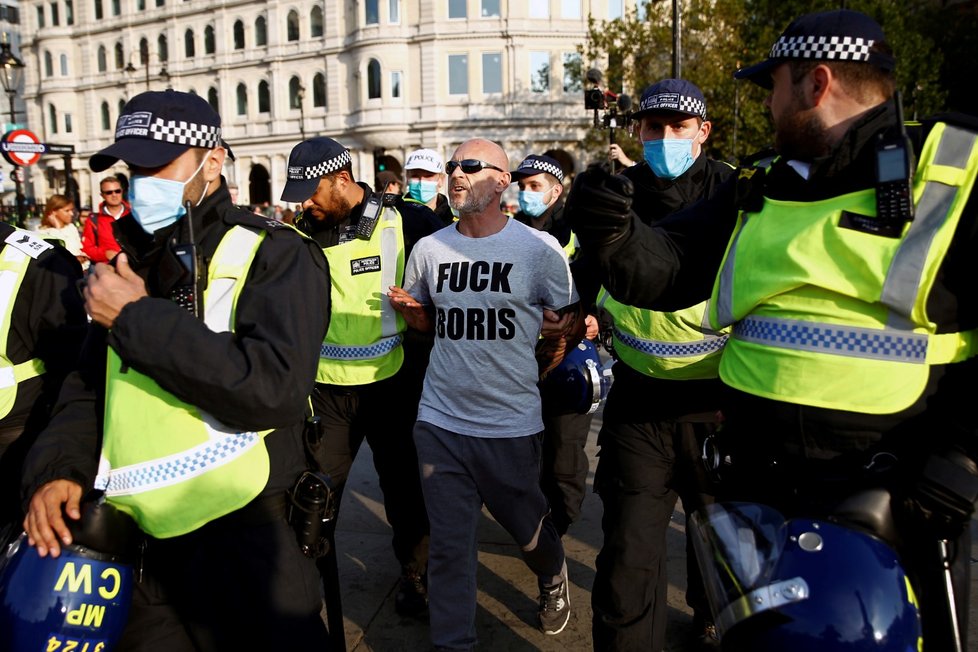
column 594, row 99
column 311, row 509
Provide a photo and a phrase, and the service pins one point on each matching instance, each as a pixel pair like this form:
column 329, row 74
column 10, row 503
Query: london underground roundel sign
column 21, row 147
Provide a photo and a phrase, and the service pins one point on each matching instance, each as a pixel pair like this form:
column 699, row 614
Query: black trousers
column 384, row 414
column 563, row 475
column 643, row 466
column 227, row 586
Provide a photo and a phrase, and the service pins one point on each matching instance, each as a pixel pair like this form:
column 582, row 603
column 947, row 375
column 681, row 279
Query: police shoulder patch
column 28, row 243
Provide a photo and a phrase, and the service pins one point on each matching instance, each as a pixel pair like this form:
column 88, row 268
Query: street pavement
column 506, row 615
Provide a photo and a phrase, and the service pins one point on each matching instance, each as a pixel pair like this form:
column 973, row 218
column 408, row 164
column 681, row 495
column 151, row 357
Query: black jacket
column 257, row 378
column 553, row 221
column 674, row 264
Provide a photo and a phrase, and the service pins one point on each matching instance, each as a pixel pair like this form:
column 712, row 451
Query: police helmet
column 578, row 384
column 802, row 584
column 78, row 600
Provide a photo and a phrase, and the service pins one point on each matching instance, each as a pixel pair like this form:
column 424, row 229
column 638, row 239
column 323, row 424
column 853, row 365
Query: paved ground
column 507, row 590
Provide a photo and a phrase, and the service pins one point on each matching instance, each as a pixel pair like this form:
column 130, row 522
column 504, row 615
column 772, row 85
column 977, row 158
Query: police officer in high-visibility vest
column 665, row 397
column 42, row 323
column 189, row 405
column 364, row 387
column 846, row 269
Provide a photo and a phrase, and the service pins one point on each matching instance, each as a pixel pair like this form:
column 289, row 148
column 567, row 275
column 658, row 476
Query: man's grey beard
column 473, row 203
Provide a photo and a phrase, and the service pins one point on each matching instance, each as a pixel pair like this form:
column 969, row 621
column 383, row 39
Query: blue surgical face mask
column 532, row 202
column 422, row 191
column 157, row 203
column 669, row 157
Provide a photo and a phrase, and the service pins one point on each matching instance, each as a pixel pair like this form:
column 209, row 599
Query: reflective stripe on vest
column 834, row 317
column 363, row 343
column 13, row 269
column 168, row 464
column 677, row 345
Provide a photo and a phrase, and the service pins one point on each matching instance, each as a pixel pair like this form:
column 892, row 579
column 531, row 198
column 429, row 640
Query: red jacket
column 98, row 239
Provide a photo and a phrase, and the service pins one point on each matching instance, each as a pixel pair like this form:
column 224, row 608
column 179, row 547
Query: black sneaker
column 412, row 596
column 554, row 612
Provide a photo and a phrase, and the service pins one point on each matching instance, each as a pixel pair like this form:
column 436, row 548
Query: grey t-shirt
column 489, row 295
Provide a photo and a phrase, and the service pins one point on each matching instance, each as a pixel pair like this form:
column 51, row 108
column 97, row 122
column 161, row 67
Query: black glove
column 599, row 207
column 945, row 491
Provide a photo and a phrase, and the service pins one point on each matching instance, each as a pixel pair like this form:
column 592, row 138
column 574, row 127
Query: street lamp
column 11, row 73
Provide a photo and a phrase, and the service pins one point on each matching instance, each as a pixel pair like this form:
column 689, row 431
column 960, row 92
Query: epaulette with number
column 247, row 218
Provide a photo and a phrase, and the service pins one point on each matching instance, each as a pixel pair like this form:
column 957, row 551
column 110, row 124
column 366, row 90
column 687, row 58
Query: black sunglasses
column 470, row 166
column 117, row 191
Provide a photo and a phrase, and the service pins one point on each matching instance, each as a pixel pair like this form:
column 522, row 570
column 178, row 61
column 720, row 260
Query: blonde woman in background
column 58, row 224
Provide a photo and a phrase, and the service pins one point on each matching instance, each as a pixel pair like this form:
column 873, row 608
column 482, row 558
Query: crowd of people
column 794, row 333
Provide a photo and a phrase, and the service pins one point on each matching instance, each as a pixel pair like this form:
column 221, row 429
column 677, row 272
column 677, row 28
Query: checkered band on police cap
column 679, row 95
column 843, row 48
column 182, row 132
column 322, row 168
column 534, row 164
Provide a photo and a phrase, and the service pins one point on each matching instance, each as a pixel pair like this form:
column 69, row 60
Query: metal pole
column 677, row 46
column 18, row 191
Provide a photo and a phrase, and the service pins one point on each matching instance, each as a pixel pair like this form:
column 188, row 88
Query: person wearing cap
column 369, row 382
column 387, row 181
column 425, row 174
column 650, row 448
column 828, row 269
column 187, row 409
column 483, row 286
column 98, row 237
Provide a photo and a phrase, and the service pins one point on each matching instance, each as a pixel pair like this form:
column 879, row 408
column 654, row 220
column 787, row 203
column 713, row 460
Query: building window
column 319, row 90
column 572, row 73
column 40, row 16
column 640, row 9
column 116, row 7
column 212, row 98
column 67, row 123
column 264, row 97
column 490, row 8
column 239, row 35
column 539, row 8
column 140, row 5
column 616, row 9
column 394, row 11
column 539, row 72
column 98, row 10
column 570, row 8
column 261, row 31
column 106, row 119
column 48, row 64
column 160, row 3
column 371, row 12
column 294, row 85
column 189, row 50
column 209, row 39
column 456, row 8
column 120, row 56
column 316, row 21
column 161, row 48
column 69, row 12
column 292, row 28
column 373, row 79
column 458, row 74
column 143, row 52
column 102, row 59
column 396, row 83
column 242, row 96
column 53, row 118
column 492, row 72
column 55, row 19
column 63, row 59
column 122, row 105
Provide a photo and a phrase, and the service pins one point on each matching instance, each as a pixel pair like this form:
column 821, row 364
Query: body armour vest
column 19, row 250
column 678, row 345
column 363, row 343
column 166, row 463
column 835, row 317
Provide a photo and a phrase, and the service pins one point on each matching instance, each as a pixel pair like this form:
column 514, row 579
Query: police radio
column 369, row 217
column 184, row 293
column 894, row 197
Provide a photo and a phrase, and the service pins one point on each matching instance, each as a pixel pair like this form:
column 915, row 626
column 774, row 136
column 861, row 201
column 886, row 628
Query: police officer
column 364, row 388
column 188, row 408
column 42, row 323
column 653, row 424
column 851, row 300
column 424, row 170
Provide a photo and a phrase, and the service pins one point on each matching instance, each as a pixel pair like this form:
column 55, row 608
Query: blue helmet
column 578, row 384
column 46, row 603
column 802, row 584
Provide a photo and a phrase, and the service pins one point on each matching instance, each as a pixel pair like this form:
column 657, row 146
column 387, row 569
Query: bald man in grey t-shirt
column 483, row 285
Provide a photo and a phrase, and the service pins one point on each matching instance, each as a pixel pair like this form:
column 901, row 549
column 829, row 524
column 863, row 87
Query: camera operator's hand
column 615, row 153
column 599, row 207
column 943, row 494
